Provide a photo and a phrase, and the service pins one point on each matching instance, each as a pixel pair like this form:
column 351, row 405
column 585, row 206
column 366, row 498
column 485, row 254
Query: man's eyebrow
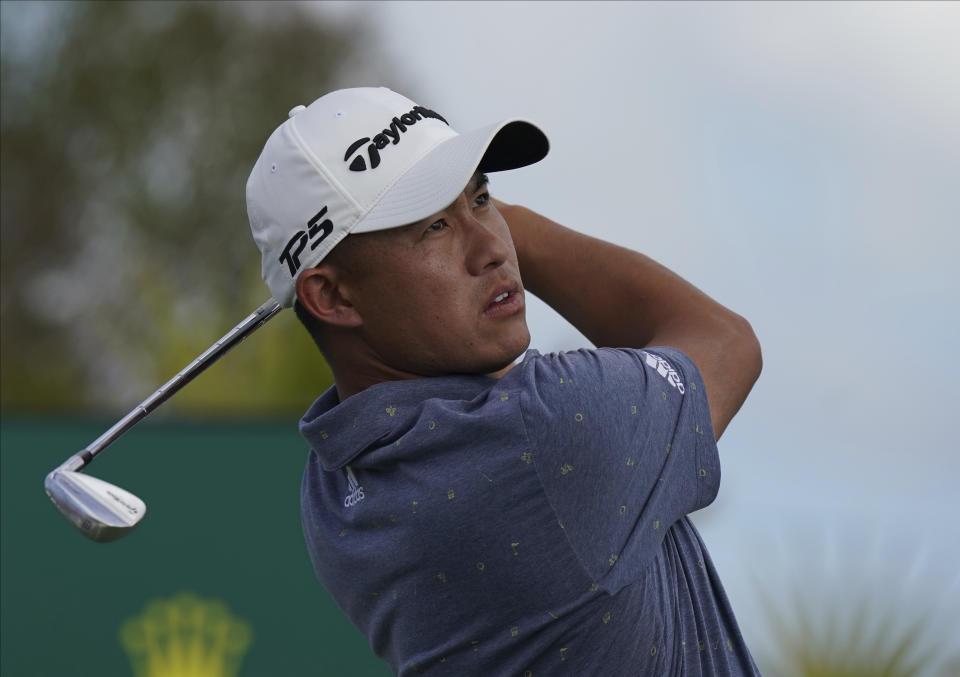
column 482, row 180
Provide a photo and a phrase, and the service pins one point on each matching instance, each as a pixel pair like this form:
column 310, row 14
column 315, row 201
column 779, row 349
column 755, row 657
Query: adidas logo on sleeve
column 663, row 368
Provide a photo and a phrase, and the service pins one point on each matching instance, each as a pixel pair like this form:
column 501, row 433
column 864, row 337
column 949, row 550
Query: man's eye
column 481, row 199
column 436, row 226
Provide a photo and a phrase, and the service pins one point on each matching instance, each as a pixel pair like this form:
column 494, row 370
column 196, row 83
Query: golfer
column 475, row 507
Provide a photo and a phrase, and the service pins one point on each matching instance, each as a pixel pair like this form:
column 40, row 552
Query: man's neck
column 352, row 381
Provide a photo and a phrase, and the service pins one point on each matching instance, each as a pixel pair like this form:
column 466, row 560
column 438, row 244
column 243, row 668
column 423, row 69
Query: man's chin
column 498, row 370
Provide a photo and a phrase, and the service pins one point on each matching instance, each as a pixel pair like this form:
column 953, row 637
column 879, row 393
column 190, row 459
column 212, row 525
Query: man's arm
column 622, row 299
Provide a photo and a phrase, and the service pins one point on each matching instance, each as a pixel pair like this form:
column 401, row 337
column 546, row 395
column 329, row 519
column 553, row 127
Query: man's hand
column 619, row 298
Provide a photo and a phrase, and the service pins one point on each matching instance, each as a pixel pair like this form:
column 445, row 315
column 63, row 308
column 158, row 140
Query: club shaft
column 254, row 321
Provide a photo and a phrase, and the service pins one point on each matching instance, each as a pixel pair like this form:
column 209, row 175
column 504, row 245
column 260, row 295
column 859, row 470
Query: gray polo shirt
column 532, row 525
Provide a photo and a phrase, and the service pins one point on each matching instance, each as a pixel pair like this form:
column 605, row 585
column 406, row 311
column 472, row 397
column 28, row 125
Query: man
column 474, row 514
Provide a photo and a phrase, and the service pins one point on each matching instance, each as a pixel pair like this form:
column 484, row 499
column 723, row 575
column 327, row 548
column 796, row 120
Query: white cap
column 358, row 160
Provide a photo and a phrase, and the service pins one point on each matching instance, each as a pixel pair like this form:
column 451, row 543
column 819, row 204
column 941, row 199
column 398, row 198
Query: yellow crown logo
column 185, row 636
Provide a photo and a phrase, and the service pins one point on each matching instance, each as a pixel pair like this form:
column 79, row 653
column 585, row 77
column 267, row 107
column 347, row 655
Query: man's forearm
column 620, row 298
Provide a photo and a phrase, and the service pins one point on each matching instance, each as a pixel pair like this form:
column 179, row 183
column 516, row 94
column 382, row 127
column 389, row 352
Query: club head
column 102, row 511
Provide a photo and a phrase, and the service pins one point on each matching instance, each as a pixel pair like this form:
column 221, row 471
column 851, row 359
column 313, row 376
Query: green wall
column 222, row 524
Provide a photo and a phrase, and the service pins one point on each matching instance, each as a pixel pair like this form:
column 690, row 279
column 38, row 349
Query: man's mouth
column 507, row 302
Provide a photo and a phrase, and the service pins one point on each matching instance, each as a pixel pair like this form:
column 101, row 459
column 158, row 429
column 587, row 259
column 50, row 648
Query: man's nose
column 486, row 247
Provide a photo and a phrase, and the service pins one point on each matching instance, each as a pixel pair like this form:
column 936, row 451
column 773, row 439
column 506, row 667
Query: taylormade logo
column 356, row 491
column 130, row 508
column 316, row 232
column 389, row 135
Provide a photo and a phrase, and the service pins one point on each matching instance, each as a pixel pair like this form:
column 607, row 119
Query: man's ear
column 320, row 293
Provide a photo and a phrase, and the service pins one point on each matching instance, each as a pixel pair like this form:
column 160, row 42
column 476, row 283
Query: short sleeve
column 623, row 445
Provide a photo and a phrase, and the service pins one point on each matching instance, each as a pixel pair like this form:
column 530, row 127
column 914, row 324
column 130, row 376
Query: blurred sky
column 800, row 163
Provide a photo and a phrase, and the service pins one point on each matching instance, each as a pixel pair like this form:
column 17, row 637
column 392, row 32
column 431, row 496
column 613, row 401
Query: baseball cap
column 365, row 159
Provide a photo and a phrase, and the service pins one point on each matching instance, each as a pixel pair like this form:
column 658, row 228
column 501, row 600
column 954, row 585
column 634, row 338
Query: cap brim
column 440, row 176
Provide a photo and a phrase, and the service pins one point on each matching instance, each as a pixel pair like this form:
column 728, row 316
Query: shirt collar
column 340, row 431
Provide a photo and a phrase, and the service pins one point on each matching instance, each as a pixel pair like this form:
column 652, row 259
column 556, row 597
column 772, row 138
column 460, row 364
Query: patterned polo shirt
column 531, row 525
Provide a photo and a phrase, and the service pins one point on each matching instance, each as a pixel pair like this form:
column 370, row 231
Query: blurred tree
column 128, row 131
column 844, row 635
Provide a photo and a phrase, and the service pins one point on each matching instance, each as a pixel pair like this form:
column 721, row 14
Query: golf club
column 102, row 511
